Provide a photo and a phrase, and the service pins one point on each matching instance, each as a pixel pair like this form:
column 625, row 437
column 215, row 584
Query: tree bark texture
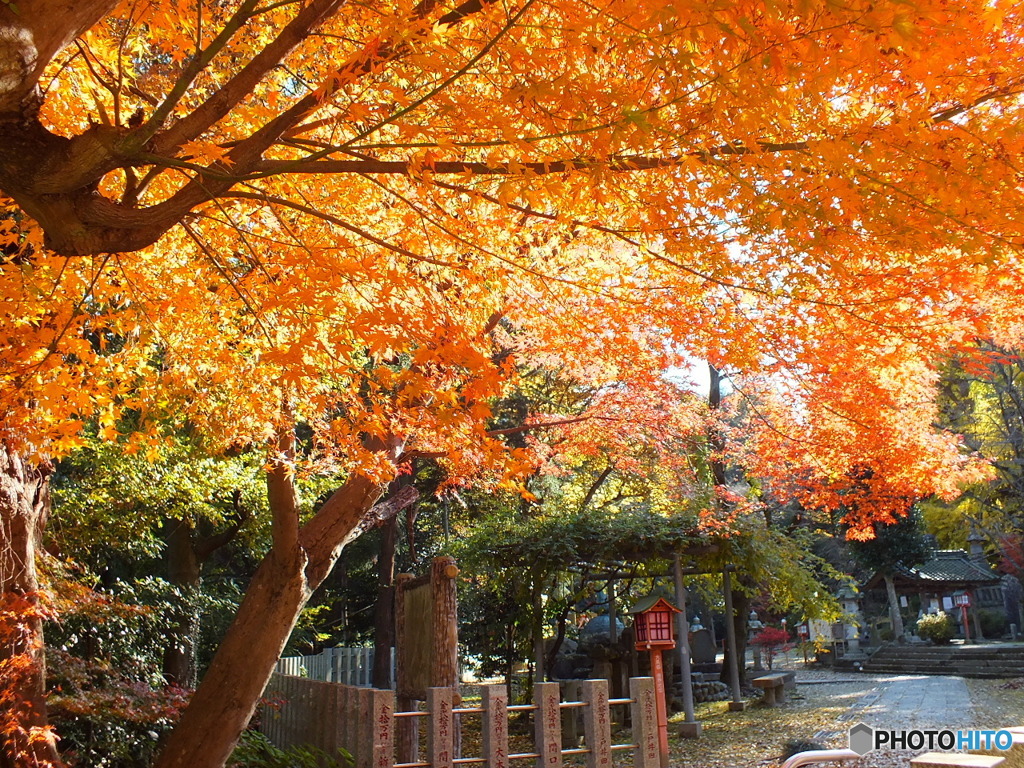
column 894, row 608
column 32, row 32
column 231, row 688
column 24, row 508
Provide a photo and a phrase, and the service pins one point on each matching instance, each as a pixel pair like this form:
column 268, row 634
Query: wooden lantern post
column 652, row 622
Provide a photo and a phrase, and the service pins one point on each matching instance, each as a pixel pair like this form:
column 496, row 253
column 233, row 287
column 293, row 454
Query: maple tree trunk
column 24, row 507
column 32, row 32
column 231, row 688
column 300, row 559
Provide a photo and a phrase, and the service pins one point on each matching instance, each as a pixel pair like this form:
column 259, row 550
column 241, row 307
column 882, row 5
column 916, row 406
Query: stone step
column 991, row 655
column 980, row 662
column 993, row 673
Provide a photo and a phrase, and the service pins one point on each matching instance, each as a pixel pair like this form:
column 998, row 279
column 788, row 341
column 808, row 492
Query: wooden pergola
column 690, row 727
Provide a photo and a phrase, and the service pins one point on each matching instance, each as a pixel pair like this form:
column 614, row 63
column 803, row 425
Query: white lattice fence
column 348, row 666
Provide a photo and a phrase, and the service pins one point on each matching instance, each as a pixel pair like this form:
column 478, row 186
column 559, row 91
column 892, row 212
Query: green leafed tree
column 901, row 544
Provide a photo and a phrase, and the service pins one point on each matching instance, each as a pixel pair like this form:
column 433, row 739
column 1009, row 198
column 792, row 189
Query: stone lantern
column 849, row 599
column 755, row 625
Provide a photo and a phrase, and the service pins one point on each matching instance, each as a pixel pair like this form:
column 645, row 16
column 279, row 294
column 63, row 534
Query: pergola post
column 737, row 704
column 690, row 728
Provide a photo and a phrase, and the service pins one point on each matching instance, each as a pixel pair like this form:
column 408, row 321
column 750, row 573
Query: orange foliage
column 822, row 192
column 370, row 217
column 18, row 612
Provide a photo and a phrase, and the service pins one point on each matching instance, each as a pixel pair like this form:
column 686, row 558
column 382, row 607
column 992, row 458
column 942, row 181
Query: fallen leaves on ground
column 997, row 703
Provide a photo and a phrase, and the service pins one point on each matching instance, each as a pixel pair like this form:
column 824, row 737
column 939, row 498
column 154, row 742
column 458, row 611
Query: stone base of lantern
column 690, row 730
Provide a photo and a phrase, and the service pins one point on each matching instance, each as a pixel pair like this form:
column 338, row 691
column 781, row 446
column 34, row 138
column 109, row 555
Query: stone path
column 915, row 702
column 909, row 702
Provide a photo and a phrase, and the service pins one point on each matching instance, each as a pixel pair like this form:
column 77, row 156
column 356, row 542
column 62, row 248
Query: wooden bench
column 954, row 760
column 1014, row 756
column 774, row 687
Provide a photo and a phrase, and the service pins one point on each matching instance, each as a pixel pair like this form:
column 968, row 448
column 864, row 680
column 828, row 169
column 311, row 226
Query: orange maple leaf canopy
column 820, row 199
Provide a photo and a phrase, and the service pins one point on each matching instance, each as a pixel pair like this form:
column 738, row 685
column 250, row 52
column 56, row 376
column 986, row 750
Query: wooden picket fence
column 349, row 666
column 363, row 722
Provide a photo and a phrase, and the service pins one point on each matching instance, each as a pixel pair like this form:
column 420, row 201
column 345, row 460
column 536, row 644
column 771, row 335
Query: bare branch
column 272, row 200
column 374, row 55
column 531, row 427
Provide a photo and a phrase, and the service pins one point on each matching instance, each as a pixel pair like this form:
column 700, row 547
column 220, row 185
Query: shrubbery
column 254, row 750
column 993, row 623
column 937, row 627
column 772, row 640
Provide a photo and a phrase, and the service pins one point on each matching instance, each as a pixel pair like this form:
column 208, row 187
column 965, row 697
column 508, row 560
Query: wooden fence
column 363, row 721
column 349, row 666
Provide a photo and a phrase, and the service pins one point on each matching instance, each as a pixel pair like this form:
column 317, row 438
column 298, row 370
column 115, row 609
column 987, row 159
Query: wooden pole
column 658, row 672
column 446, row 632
column 683, row 649
column 617, row 673
column 613, row 618
column 737, row 704
column 571, row 717
column 444, row 588
column 407, row 737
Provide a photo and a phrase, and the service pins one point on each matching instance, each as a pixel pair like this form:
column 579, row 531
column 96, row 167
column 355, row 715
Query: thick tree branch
column 462, row 168
column 384, row 510
column 210, row 544
column 192, row 70
column 32, row 32
column 282, row 496
column 336, row 522
column 246, row 80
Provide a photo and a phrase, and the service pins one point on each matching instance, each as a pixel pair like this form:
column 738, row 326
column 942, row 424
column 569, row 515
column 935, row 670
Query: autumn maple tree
column 246, row 214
